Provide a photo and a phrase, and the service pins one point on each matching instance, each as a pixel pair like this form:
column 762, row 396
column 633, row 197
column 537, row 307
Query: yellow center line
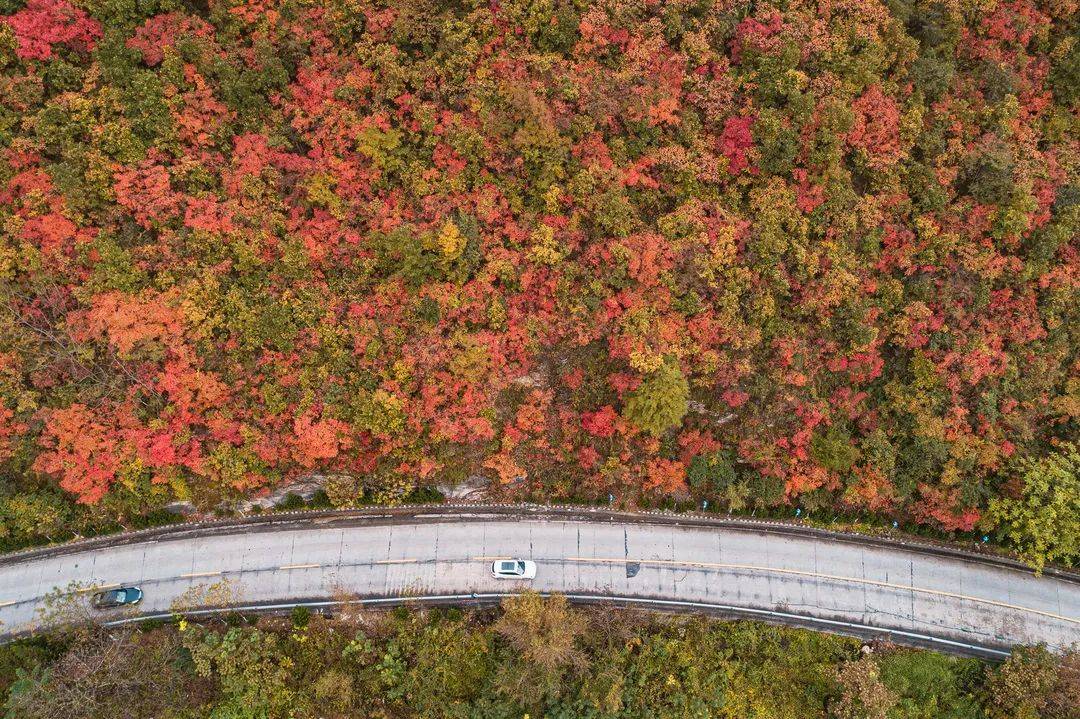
column 396, row 561
column 97, row 587
column 189, row 575
column 299, row 566
column 836, row 577
column 8, row 603
column 489, row 559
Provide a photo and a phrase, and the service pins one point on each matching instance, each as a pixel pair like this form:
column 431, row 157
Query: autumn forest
column 818, row 255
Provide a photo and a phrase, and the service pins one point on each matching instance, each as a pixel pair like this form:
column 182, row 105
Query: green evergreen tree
column 661, row 401
column 1043, row 523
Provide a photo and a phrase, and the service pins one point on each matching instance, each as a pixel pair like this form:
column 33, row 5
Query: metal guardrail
column 786, row 618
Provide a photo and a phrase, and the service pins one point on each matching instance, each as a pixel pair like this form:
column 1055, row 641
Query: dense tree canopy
column 577, row 247
column 537, row 658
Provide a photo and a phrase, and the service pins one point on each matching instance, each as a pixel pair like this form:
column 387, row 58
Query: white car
column 513, row 569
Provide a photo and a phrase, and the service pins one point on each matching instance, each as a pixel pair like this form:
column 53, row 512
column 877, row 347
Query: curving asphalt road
column 916, row 594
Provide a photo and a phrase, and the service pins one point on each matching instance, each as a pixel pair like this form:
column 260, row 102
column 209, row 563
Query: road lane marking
column 191, row 575
column 97, row 588
column 489, row 559
column 9, row 603
column 818, row 575
column 299, row 566
column 396, row 561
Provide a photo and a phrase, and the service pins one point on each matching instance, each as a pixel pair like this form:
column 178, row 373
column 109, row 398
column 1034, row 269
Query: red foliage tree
column 127, row 321
column 44, row 23
column 602, row 422
column 877, row 127
column 83, row 450
column 315, row 440
column 735, row 143
column 665, row 476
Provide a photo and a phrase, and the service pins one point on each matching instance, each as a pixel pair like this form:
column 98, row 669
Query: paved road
column 986, row 604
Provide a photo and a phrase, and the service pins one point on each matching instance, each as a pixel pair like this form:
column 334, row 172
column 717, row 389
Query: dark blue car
column 119, row 597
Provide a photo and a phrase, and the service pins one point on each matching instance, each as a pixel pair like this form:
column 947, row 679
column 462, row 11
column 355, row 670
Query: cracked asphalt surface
column 799, row 575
